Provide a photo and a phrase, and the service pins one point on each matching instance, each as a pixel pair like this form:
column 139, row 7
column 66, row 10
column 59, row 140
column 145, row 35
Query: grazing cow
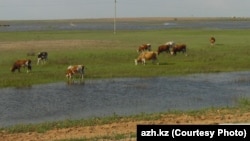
column 75, row 70
column 21, row 63
column 179, row 48
column 42, row 56
column 212, row 41
column 148, row 55
column 162, row 48
column 144, row 47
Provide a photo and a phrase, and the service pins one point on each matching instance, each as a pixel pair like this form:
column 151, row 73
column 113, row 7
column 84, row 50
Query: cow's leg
column 44, row 60
column 144, row 61
column 38, row 61
column 82, row 76
column 153, row 61
column 136, row 62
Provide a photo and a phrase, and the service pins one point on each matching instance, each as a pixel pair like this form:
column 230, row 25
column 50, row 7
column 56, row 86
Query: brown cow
column 74, row 70
column 148, row 55
column 162, row 48
column 179, row 48
column 144, row 47
column 212, row 40
column 21, row 63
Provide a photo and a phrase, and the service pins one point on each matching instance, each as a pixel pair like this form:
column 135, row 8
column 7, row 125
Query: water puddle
column 121, row 96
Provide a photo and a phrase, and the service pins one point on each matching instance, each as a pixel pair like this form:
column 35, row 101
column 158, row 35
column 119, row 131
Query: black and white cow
column 42, row 57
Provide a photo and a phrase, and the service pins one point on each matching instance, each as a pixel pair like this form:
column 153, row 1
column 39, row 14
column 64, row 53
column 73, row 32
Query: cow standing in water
column 73, row 70
column 21, row 63
column 42, row 57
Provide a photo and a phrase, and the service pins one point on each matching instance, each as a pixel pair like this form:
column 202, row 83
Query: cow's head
column 28, row 64
column 14, row 67
column 138, row 60
column 149, row 47
column 69, row 74
column 172, row 52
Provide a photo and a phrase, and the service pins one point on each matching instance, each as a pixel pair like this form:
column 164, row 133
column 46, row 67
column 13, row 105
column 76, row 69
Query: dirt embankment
column 127, row 128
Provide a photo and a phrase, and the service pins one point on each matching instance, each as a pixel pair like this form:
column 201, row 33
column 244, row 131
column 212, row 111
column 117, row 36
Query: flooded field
column 121, row 96
column 135, row 24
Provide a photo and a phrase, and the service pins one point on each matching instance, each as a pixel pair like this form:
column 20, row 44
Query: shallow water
column 47, row 26
column 121, row 96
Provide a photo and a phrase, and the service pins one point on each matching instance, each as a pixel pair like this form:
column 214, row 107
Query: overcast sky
column 81, row 9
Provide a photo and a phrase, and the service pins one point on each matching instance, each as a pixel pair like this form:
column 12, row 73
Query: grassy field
column 107, row 55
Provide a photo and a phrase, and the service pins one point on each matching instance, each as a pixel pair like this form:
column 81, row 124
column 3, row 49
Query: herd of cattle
column 146, row 53
column 144, row 50
column 42, row 58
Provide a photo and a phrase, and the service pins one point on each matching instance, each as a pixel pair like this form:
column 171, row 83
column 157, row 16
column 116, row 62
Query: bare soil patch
column 129, row 127
column 50, row 44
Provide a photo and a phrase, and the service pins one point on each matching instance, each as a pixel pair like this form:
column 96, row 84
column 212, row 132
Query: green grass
column 107, row 55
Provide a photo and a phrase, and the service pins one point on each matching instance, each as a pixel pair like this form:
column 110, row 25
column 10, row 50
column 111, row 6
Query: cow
column 75, row 70
column 178, row 48
column 144, row 47
column 166, row 47
column 42, row 56
column 163, row 48
column 212, row 40
column 21, row 63
column 144, row 56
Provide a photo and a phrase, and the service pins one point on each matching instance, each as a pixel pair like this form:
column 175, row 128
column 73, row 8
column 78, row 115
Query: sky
column 85, row 9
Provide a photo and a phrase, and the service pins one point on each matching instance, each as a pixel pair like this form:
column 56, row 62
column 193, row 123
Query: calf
column 42, row 56
column 21, row 63
column 149, row 55
column 75, row 70
column 144, row 47
column 212, row 41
